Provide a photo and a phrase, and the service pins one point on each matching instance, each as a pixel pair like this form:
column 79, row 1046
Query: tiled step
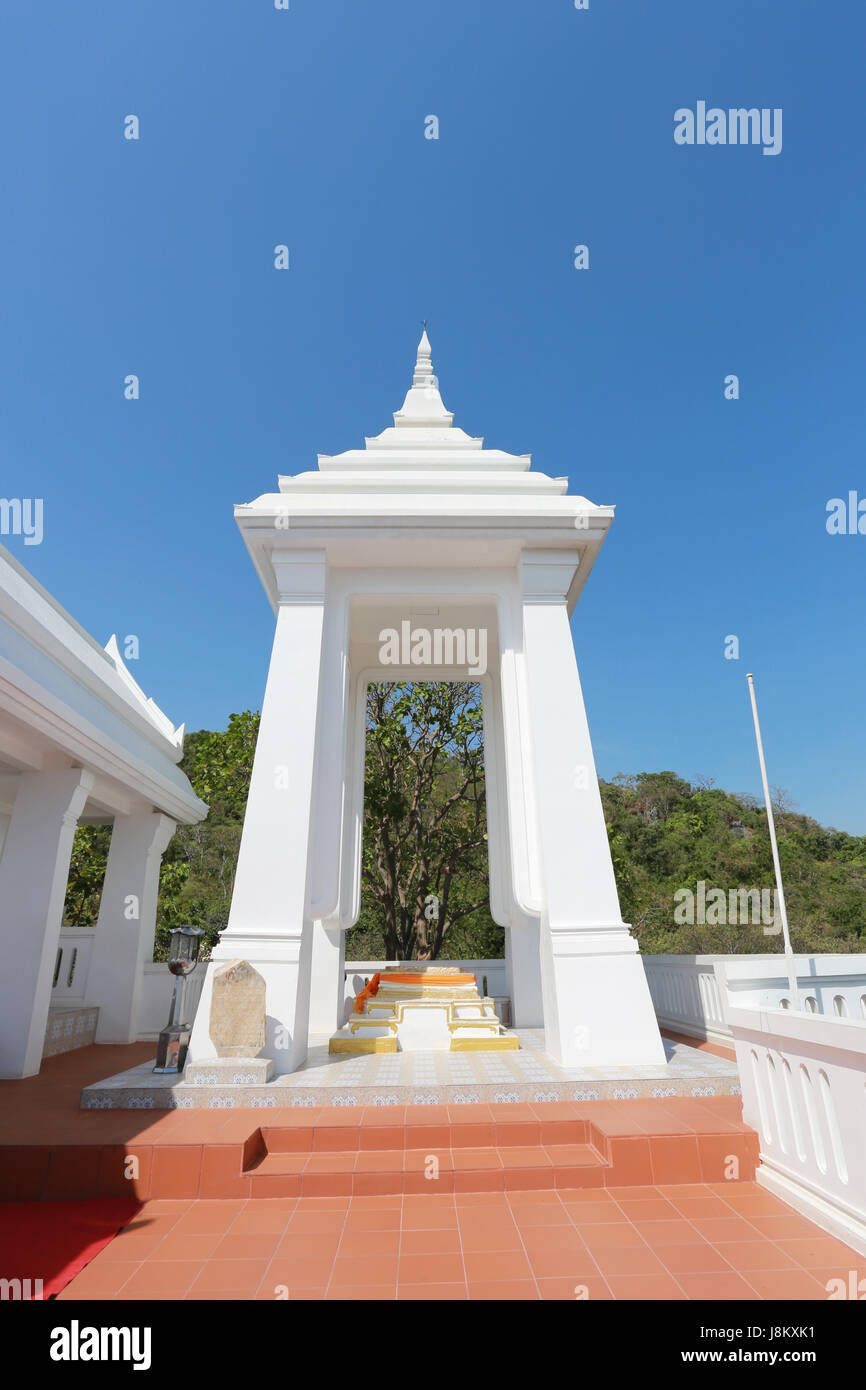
column 384, row 1172
column 348, row 1150
column 558, row 1145
column 420, row 1126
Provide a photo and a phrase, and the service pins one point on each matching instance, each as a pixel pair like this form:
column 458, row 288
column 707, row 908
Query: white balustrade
column 830, row 985
column 691, row 993
column 686, row 995
column 803, row 1077
column 71, row 967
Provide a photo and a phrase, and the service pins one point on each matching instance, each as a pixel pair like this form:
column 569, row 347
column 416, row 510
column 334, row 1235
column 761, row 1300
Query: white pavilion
column 425, row 525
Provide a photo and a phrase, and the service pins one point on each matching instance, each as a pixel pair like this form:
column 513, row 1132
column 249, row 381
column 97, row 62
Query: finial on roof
column 423, row 375
column 423, row 403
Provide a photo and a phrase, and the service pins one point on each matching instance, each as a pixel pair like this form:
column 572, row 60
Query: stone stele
column 237, row 1011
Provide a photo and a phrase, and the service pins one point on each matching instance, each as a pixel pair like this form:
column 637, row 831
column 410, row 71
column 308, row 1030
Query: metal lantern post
column 174, row 1038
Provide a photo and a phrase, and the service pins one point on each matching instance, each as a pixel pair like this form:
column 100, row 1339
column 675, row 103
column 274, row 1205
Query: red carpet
column 53, row 1241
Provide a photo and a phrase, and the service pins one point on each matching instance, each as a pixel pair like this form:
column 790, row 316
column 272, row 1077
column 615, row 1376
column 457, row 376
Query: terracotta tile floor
column 686, row 1241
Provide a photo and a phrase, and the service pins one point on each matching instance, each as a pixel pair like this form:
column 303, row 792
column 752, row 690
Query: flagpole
column 780, row 892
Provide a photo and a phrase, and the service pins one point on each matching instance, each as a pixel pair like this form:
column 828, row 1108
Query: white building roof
column 64, row 696
column 423, row 482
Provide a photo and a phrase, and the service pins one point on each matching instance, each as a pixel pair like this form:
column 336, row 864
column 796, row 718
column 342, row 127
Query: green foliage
column 666, row 834
column 424, row 867
column 219, row 766
column 86, row 875
column 425, row 833
column 198, row 871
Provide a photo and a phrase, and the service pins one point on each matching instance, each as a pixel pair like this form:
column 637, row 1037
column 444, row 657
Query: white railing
column 686, row 995
column 155, row 999
column 803, row 1079
column 71, row 966
column 691, row 993
column 77, row 945
column 834, row 986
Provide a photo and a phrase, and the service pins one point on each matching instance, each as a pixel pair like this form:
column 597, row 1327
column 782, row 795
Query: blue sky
column 306, row 127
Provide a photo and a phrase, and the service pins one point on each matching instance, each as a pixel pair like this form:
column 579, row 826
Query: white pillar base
column 326, row 979
column 523, row 975
column 597, row 1006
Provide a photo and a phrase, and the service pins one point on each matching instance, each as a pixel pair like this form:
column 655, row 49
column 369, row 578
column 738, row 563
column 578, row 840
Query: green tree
column 198, row 870
column 424, row 866
column 425, row 835
column 86, row 875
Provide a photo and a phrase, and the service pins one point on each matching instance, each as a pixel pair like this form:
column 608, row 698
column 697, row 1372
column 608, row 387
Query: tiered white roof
column 427, row 450
column 422, row 480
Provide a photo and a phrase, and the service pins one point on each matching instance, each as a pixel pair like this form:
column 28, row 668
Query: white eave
column 36, row 623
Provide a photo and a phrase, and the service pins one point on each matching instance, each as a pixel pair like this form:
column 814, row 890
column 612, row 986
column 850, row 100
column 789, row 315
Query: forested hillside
column 667, row 835
column 424, row 842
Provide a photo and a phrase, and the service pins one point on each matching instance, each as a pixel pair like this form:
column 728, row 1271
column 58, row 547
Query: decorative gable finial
column 423, row 375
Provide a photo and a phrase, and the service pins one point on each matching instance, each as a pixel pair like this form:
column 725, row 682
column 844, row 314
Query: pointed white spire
column 423, row 375
column 423, row 404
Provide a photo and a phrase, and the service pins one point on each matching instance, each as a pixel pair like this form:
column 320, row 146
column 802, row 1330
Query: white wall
column 156, row 986
column 690, row 993
column 76, row 947
column 155, row 1001
column 831, row 985
column 686, row 995
column 803, row 1079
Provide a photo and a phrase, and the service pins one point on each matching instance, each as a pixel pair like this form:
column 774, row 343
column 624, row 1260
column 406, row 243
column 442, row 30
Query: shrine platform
column 527, row 1075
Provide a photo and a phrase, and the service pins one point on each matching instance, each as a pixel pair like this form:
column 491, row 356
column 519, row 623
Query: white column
column 349, row 906
column 597, row 1005
column 508, row 755
column 34, row 872
column 332, row 774
column 126, row 923
column 327, row 979
column 267, row 918
column 523, row 975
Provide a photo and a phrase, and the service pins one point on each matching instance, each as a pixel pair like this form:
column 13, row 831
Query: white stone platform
column 435, row 1078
